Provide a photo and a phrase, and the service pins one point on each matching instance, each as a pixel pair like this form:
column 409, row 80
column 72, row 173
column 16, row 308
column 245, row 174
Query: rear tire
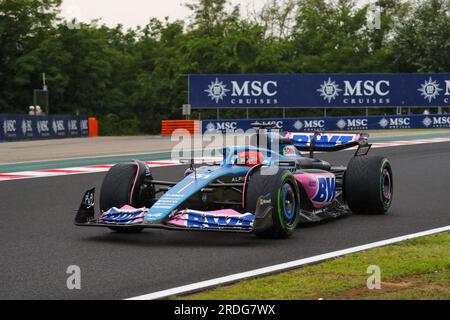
column 284, row 197
column 116, row 191
column 368, row 185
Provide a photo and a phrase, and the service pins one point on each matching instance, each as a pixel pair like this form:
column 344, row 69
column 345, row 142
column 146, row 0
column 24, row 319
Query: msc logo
column 9, row 126
column 309, row 124
column 276, row 124
column 330, row 90
column 254, row 89
column 221, row 126
column 367, row 88
column 42, row 126
column 84, row 125
column 217, row 90
column 352, row 123
column 395, row 122
column 430, row 89
column 27, row 126
column 58, row 126
column 437, row 122
column 73, row 125
column 326, row 191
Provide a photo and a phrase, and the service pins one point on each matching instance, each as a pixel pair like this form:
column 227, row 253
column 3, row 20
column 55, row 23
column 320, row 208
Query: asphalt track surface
column 38, row 240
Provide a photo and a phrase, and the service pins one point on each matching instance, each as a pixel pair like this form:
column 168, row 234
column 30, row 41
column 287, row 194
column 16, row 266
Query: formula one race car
column 266, row 190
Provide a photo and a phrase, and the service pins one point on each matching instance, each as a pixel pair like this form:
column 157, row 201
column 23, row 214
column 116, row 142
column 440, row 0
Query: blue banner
column 24, row 127
column 319, row 90
column 333, row 123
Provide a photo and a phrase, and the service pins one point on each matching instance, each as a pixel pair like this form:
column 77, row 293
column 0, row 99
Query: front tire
column 116, row 191
column 284, row 198
column 369, row 185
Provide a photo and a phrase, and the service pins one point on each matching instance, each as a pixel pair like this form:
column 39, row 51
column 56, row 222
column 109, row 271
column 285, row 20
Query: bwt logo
column 207, row 221
column 327, row 139
column 251, row 92
column 326, row 190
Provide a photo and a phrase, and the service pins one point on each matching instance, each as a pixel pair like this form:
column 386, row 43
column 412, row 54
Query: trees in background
column 131, row 79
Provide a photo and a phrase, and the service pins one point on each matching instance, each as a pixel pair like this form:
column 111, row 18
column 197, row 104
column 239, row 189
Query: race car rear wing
column 329, row 142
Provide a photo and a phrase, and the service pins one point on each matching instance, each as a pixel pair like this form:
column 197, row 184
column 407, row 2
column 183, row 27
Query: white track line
column 280, row 267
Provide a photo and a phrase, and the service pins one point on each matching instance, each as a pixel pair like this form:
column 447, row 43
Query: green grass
column 414, row 269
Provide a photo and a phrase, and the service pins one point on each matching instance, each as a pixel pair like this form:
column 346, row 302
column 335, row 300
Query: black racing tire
column 116, row 191
column 369, row 185
column 285, row 200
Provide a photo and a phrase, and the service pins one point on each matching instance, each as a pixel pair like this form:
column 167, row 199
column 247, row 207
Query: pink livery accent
column 135, row 180
column 320, row 187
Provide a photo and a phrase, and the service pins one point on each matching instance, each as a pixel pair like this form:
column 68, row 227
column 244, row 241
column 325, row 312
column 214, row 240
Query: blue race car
column 266, row 190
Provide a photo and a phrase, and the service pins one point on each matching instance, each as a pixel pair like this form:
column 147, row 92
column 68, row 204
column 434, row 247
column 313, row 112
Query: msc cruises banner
column 333, row 123
column 319, row 90
column 23, row 127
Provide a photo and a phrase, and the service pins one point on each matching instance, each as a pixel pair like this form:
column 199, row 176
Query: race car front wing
column 226, row 220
